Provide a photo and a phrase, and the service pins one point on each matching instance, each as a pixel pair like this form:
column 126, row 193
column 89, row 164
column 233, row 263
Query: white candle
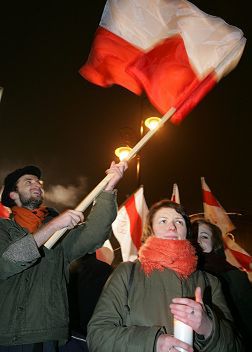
column 183, row 332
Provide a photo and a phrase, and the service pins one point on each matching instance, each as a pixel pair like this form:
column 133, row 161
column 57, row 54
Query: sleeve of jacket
column 240, row 295
column 107, row 330
column 91, row 235
column 18, row 249
column 224, row 336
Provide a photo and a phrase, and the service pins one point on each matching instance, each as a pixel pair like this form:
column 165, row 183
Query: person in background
column 33, row 294
column 87, row 278
column 140, row 300
column 235, row 283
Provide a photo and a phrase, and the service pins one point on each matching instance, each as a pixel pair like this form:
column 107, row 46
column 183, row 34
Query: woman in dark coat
column 235, row 283
column 141, row 300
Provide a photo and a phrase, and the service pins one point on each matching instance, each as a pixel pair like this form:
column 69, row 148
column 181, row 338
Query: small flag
column 175, row 194
column 214, row 212
column 170, row 49
column 236, row 255
column 128, row 225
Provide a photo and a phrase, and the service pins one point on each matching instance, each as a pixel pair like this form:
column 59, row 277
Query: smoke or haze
column 66, row 196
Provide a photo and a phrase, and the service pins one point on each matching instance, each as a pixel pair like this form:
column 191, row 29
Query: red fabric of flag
column 108, row 60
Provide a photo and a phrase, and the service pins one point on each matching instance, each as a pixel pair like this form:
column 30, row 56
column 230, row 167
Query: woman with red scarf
column 137, row 307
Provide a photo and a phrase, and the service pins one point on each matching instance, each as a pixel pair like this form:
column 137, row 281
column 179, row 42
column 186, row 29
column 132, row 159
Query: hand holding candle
column 192, row 314
column 183, row 332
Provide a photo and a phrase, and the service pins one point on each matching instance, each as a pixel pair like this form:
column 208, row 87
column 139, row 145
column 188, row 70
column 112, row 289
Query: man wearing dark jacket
column 33, row 295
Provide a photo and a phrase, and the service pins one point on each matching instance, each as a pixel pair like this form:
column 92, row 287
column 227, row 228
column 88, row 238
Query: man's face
column 29, row 192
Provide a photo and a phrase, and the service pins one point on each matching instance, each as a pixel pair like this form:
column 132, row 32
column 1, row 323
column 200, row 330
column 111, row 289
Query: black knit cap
column 11, row 180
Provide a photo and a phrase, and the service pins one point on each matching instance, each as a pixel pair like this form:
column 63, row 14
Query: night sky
column 53, row 118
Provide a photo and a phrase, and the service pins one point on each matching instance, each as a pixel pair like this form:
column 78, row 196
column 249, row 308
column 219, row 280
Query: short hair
column 217, row 242
column 165, row 203
column 10, row 182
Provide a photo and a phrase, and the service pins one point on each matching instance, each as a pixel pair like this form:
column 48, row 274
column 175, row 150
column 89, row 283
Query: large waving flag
column 169, row 48
column 216, row 214
column 175, row 194
column 128, row 225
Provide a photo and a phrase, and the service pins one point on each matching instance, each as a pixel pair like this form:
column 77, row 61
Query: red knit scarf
column 30, row 219
column 158, row 253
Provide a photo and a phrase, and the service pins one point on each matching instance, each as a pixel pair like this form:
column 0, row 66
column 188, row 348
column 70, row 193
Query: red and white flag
column 175, row 194
column 169, row 48
column 128, row 225
column 236, row 255
column 214, row 212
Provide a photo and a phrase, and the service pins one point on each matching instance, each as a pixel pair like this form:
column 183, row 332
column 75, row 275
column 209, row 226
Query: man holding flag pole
column 33, row 295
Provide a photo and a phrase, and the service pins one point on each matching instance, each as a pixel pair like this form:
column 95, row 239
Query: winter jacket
column 33, row 295
column 130, row 319
column 237, row 290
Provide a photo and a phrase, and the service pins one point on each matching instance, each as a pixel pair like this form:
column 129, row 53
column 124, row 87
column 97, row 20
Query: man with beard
column 33, row 279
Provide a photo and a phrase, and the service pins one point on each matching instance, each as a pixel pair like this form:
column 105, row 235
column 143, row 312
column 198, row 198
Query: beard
column 31, row 203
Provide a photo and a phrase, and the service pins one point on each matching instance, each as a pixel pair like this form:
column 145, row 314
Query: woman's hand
column 193, row 313
column 168, row 343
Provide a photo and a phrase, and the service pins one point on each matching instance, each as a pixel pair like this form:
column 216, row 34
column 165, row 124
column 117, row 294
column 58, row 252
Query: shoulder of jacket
column 124, row 268
column 7, row 222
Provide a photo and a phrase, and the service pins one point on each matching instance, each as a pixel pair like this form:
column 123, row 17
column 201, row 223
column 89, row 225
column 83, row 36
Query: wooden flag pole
column 100, row 187
column 227, row 61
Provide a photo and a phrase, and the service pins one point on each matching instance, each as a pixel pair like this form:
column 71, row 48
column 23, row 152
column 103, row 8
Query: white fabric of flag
column 216, row 214
column 175, row 194
column 213, row 211
column 129, row 223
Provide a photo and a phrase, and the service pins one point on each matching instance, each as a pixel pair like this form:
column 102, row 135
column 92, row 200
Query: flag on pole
column 213, row 211
column 129, row 223
column 216, row 214
column 236, row 255
column 169, row 48
column 175, row 194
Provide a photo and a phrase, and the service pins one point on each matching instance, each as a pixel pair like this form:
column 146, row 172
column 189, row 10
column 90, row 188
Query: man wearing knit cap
column 33, row 295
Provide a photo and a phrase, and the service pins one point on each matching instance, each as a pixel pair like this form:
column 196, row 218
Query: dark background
column 52, row 117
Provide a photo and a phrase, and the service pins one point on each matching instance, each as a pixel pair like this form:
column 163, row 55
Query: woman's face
column 205, row 238
column 168, row 224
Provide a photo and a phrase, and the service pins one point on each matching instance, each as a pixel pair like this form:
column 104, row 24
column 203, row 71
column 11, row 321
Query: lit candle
column 183, row 332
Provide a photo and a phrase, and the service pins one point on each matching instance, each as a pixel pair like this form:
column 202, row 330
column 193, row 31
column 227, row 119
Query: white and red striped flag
column 128, row 225
column 169, row 48
column 213, row 211
column 175, row 194
column 216, row 214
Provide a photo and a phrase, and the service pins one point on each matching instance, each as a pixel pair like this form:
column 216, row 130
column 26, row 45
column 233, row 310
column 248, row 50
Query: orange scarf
column 158, row 253
column 30, row 219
